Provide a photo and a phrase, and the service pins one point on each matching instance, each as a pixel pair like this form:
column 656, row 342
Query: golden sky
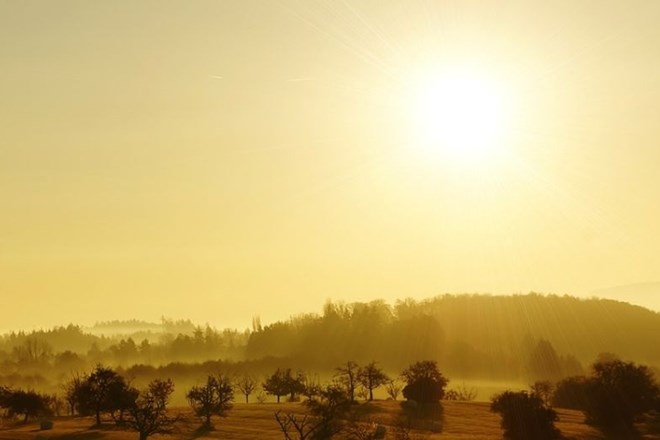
column 216, row 160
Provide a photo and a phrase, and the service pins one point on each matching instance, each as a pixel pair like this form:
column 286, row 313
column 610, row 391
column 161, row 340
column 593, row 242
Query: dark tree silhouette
column 276, row 384
column 347, row 375
column 24, row 403
column 371, row 377
column 524, row 416
column 544, row 389
column 97, row 390
column 393, row 388
column 213, row 398
column 283, row 382
column 148, row 413
column 425, row 383
column 120, row 397
column 246, row 384
column 71, row 389
column 618, row 393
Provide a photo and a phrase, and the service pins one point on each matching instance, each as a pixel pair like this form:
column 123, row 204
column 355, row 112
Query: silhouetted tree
column 325, row 418
column 618, row 393
column 246, row 384
column 295, row 384
column 371, row 377
column 461, row 394
column 148, row 413
column 213, row 398
column 25, row 403
column 283, row 382
column 544, row 390
column 425, row 383
column 120, row 397
column 276, row 384
column 73, row 392
column 347, row 375
column 524, row 416
column 393, row 388
column 312, row 387
column 98, row 392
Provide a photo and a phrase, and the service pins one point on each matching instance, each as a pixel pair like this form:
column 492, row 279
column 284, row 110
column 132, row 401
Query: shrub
column 524, row 416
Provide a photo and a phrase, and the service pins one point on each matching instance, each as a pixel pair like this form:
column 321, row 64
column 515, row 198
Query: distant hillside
column 519, row 337
column 475, row 335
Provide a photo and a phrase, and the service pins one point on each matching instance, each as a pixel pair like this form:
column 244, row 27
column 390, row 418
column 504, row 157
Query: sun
column 459, row 115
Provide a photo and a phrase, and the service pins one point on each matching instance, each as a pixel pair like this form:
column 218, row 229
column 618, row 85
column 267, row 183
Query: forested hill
column 479, row 335
column 471, row 336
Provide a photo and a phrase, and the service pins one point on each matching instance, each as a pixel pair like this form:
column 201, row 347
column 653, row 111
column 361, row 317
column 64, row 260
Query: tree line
column 104, row 393
column 515, row 337
column 614, row 397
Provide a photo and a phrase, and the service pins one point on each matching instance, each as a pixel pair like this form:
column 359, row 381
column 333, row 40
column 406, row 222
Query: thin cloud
column 215, row 77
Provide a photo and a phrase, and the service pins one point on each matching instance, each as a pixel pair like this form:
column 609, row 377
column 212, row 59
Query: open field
column 463, row 420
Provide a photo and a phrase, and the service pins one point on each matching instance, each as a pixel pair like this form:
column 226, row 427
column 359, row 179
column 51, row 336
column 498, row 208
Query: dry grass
column 462, row 420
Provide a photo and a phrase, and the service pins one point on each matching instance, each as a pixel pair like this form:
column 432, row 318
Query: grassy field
column 462, row 420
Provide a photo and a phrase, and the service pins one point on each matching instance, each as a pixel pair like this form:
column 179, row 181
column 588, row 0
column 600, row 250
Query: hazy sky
column 222, row 159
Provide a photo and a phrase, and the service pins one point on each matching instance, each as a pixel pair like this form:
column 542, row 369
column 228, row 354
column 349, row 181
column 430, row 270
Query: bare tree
column 246, row 385
column 348, row 377
column 312, row 386
column 71, row 392
column 324, row 421
column 393, row 388
column 544, row 389
column 212, row 398
column 295, row 427
column 461, row 393
column 371, row 377
column 33, row 350
column 148, row 414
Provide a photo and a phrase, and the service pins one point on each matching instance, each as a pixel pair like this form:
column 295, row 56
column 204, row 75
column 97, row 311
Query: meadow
column 462, row 420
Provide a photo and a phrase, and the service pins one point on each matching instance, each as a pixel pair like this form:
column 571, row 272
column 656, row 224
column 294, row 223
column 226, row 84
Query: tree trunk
column 98, row 417
column 208, row 420
column 246, row 398
column 26, row 418
column 278, row 398
column 144, row 436
column 371, row 394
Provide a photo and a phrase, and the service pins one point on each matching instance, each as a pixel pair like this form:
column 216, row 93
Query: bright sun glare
column 459, row 115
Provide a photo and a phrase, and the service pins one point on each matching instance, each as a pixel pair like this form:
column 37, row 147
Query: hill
column 509, row 339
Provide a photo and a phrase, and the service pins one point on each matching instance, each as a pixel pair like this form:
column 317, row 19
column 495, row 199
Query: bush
column 24, row 403
column 524, row 416
column 425, row 383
